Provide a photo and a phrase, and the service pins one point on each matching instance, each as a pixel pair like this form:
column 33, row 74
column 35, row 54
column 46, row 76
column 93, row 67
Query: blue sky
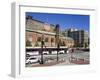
column 64, row 20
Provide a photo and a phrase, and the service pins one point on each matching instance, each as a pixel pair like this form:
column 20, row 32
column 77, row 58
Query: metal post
column 57, row 52
column 57, row 40
column 42, row 43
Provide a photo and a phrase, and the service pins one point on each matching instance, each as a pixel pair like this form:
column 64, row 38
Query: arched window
column 39, row 39
column 52, row 40
column 46, row 39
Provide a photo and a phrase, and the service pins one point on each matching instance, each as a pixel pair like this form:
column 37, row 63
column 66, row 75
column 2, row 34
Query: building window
column 52, row 40
column 39, row 39
column 46, row 39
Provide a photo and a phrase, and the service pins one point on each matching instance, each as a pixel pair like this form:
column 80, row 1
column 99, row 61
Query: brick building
column 36, row 31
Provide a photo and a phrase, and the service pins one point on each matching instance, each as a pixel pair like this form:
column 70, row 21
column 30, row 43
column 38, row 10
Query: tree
column 36, row 44
column 28, row 43
column 85, row 45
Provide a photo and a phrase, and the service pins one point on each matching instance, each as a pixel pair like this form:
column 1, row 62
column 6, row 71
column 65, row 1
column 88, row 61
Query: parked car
column 32, row 53
column 54, row 52
column 61, row 52
column 45, row 52
column 31, row 60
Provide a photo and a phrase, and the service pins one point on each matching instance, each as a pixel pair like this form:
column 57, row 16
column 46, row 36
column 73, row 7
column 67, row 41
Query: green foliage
column 36, row 44
column 28, row 43
column 85, row 45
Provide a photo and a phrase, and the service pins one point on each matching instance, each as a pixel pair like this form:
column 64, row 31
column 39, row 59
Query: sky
column 65, row 21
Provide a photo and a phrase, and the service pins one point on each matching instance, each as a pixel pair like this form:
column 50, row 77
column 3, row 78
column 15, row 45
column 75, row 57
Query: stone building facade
column 36, row 31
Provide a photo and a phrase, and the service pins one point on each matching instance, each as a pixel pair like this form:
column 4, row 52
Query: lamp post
column 42, row 43
column 57, row 40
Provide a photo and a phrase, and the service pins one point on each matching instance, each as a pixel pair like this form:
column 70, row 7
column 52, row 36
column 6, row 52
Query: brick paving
column 48, row 64
column 79, row 61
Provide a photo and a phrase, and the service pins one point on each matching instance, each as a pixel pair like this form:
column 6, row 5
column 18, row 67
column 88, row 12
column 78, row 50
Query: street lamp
column 42, row 43
column 57, row 39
